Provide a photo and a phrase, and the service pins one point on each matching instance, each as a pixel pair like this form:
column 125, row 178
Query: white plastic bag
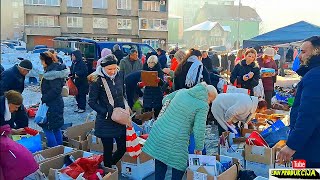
column 259, row 90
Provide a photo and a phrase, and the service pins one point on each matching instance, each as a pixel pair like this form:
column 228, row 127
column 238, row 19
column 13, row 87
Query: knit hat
column 105, row 52
column 269, row 52
column 109, row 60
column 26, row 64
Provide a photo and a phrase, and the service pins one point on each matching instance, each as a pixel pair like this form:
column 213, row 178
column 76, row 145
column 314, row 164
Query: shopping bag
column 41, row 116
column 32, row 143
column 132, row 143
column 259, row 90
column 73, row 90
column 235, row 88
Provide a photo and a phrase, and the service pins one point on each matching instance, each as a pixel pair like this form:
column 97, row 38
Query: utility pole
column 238, row 28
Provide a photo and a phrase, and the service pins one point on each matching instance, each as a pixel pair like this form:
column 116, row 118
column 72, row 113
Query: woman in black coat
column 105, row 127
column 51, row 88
column 247, row 73
column 191, row 71
column 79, row 73
column 152, row 96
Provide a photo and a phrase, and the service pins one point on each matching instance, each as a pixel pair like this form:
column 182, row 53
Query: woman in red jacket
column 267, row 61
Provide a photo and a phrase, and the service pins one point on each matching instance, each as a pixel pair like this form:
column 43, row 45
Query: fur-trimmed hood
column 56, row 71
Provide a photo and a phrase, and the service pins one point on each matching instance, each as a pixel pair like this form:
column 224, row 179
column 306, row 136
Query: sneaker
column 81, row 111
column 76, row 109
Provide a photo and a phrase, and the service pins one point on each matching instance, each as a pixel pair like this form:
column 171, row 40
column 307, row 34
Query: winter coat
column 11, row 79
column 2, row 113
column 233, row 107
column 51, row 88
column 152, row 96
column 169, row 137
column 304, row 116
column 132, row 89
column 127, row 66
column 215, row 60
column 162, row 59
column 240, row 70
column 180, row 78
column 119, row 55
column 19, row 165
column 105, row 127
column 207, row 62
column 268, row 82
column 80, row 69
column 1, row 69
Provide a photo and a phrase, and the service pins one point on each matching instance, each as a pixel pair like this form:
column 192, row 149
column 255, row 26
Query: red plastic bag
column 73, row 90
column 32, row 112
column 87, row 165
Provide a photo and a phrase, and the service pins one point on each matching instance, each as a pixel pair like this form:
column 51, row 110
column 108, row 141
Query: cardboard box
column 77, row 135
column 95, row 144
column 54, row 152
column 260, row 159
column 49, row 167
column 114, row 174
column 235, row 151
column 137, row 168
column 201, row 173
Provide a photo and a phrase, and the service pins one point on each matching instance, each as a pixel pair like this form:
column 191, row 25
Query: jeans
column 161, row 170
column 54, row 137
column 81, row 100
column 109, row 158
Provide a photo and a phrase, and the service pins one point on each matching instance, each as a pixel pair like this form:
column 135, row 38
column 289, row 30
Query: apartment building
column 113, row 20
column 12, row 19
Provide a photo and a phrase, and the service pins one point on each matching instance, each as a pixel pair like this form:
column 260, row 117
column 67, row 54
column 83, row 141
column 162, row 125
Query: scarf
column 7, row 113
column 106, row 75
column 195, row 72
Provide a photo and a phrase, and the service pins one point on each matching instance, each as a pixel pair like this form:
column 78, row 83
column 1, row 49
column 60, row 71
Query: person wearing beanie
column 13, row 79
column 118, row 53
column 105, row 52
column 162, row 58
column 131, row 63
column 105, row 127
column 79, row 73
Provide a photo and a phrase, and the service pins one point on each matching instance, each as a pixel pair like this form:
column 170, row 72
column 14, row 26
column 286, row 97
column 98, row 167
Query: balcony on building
column 42, row 31
column 45, row 7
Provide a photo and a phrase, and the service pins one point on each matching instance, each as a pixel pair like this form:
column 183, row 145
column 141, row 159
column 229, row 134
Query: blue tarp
column 291, row 33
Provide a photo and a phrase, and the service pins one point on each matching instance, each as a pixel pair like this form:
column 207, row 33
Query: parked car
column 41, row 50
column 40, row 47
column 219, row 49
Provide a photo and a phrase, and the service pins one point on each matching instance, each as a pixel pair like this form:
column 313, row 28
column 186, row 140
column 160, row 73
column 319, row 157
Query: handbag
column 119, row 115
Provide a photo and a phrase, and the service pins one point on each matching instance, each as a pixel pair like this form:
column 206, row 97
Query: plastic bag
column 73, row 90
column 88, row 166
column 132, row 143
column 259, row 90
column 41, row 116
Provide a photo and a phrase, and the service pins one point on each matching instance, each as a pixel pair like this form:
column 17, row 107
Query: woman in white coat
column 230, row 108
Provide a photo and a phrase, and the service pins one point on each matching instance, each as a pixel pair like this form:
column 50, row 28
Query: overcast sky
column 279, row 13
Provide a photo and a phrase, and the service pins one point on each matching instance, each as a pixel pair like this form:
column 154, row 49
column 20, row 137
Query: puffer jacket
column 17, row 162
column 51, row 88
column 169, row 137
column 80, row 69
column 240, row 70
column 105, row 127
column 233, row 106
column 152, row 96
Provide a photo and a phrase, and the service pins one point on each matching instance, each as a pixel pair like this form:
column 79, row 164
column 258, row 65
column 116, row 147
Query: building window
column 155, row 43
column 99, row 4
column 124, row 24
column 44, row 21
column 124, row 4
column 43, row 2
column 75, row 22
column 123, row 40
column 153, row 24
column 74, row 3
column 151, row 5
column 100, row 23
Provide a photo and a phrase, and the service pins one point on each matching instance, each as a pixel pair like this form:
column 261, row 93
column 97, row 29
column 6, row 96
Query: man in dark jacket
column 162, row 58
column 79, row 73
column 132, row 90
column 303, row 141
column 207, row 62
column 13, row 79
column 118, row 53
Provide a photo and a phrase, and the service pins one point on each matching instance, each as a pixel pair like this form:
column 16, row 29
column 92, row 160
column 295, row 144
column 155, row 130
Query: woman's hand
column 17, row 131
column 245, row 78
column 251, row 74
column 166, row 70
column 198, row 152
